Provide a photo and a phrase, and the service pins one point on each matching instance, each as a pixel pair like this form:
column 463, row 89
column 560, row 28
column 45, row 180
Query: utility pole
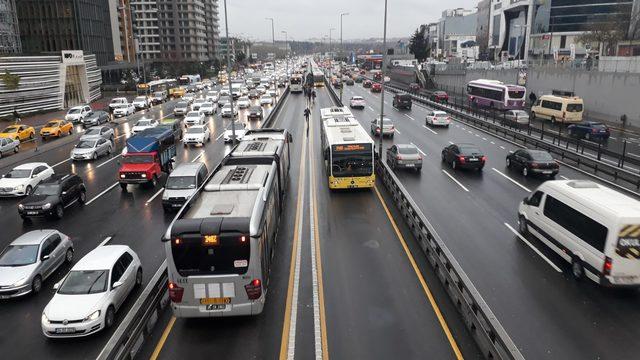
column 330, row 30
column 273, row 34
column 384, row 58
column 342, row 51
column 233, row 117
column 286, row 51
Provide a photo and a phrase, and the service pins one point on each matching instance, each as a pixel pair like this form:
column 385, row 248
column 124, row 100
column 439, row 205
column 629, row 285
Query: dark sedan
column 52, row 196
column 367, row 84
column 95, row 118
column 255, row 112
column 589, row 130
column 464, row 156
column 531, row 162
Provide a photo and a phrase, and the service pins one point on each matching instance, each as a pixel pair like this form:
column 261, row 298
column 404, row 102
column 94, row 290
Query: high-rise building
column 53, row 26
column 124, row 43
column 9, row 32
column 146, row 28
column 455, row 28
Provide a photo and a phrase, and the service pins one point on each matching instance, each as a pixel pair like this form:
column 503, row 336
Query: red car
column 376, row 87
column 439, row 96
column 366, row 84
column 377, row 76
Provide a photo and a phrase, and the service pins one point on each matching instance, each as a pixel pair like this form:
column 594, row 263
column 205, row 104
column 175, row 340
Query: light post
column 342, row 51
column 384, row 58
column 273, row 34
column 233, row 118
column 330, row 30
column 286, row 51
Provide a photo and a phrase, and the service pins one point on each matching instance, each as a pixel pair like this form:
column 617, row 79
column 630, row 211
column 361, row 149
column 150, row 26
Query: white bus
column 220, row 246
column 593, row 227
column 496, row 94
column 335, row 112
column 185, row 80
column 295, row 83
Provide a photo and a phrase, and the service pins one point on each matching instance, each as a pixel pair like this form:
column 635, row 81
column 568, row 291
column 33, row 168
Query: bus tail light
column 608, row 264
column 254, row 289
column 175, row 292
column 461, row 159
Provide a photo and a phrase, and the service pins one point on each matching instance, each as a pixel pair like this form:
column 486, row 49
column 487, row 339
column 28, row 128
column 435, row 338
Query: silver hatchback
column 406, row 156
column 30, row 259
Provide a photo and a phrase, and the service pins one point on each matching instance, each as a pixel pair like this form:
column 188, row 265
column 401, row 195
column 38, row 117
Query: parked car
column 437, row 117
column 266, row 100
column 98, row 132
column 18, row 132
column 240, row 129
column 194, row 118
column 91, row 149
column 402, row 101
column 589, row 130
column 357, row 102
column 518, row 117
column 141, row 102
column 182, row 184
column 8, row 145
column 208, row 108
column 439, row 96
column 181, row 108
column 30, row 259
column 196, row 135
column 387, row 127
column 255, row 112
column 97, row 286
column 96, row 118
column 533, row 162
column 56, row 128
column 376, row 88
column 117, row 102
column 467, row 156
column 404, row 156
column 244, row 102
column 53, row 196
column 77, row 113
column 144, row 124
column 24, row 178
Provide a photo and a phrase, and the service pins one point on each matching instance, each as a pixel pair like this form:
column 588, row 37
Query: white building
column 509, row 27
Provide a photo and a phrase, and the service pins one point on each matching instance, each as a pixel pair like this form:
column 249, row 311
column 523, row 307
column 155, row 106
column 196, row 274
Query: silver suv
column 182, row 183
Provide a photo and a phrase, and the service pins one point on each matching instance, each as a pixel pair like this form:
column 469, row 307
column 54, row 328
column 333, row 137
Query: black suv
column 52, row 196
column 402, row 101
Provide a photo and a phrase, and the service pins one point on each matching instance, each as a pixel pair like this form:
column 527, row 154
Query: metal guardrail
column 138, row 324
column 485, row 328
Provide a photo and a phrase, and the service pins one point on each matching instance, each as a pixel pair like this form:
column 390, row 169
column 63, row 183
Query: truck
column 148, row 154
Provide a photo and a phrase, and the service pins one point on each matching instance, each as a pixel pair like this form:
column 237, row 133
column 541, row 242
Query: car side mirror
column 34, row 176
column 116, row 285
column 45, row 257
column 525, row 200
column 56, row 286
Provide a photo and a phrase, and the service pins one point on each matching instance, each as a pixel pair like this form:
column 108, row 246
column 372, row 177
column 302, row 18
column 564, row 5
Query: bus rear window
column 193, row 256
column 516, row 94
column 574, row 107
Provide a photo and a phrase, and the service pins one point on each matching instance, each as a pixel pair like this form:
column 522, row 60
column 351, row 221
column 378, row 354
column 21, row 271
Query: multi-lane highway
column 530, row 289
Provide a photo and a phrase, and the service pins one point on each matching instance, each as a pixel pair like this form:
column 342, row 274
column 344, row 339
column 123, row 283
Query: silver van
column 182, row 184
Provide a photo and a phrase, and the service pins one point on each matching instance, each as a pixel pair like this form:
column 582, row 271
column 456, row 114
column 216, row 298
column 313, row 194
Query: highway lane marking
column 423, row 282
column 370, row 108
column 428, row 128
column 62, row 162
column 564, row 177
column 493, row 143
column 533, row 247
column 454, row 179
column 198, row 157
column 219, row 136
column 409, row 116
column 163, row 339
column 485, row 139
column 398, row 131
column 108, row 161
column 421, row 152
column 105, row 241
column 451, row 142
column 512, row 180
column 288, row 342
column 477, row 135
column 154, row 196
column 612, row 138
column 470, row 132
column 502, row 147
column 102, row 193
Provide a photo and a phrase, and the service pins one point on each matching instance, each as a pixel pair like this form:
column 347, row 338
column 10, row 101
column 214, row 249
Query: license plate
column 547, row 172
column 216, row 307
column 473, row 159
column 32, row 213
column 65, row 330
column 410, row 165
column 215, row 301
column 177, row 206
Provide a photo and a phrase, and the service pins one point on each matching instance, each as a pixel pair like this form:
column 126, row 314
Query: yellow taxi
column 18, row 132
column 56, row 128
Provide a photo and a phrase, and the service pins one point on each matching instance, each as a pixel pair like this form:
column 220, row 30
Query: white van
column 562, row 109
column 593, row 227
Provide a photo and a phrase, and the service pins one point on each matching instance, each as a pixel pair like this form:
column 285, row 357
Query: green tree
column 240, row 56
column 11, row 81
column 419, row 44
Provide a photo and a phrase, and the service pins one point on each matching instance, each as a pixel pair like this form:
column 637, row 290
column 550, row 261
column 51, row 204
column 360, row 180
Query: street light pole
column 233, row 118
column 342, row 51
column 273, row 34
column 384, row 57
column 286, row 51
column 330, row 30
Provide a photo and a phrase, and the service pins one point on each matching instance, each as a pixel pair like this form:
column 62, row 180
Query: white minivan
column 593, row 227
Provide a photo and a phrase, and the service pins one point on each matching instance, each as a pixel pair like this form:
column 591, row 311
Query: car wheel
column 83, row 197
column 109, row 150
column 154, row 181
column 31, row 135
column 525, row 171
column 109, row 317
column 453, row 164
column 577, row 270
column 533, row 115
column 59, row 212
column 123, row 186
column 139, row 277
column 68, row 256
column 16, row 149
column 36, row 284
column 508, row 163
column 522, row 225
column 553, row 120
column 94, row 156
column 28, row 190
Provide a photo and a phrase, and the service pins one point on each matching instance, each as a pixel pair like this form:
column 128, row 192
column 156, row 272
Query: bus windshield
column 224, row 254
column 352, row 162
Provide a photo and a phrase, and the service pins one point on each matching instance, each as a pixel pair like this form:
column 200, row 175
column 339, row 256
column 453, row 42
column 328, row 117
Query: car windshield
column 46, row 189
column 143, row 123
column 85, row 144
column 19, row 173
column 409, row 150
column 255, row 109
column 598, row 126
column 19, row 255
column 193, row 114
column 266, row 97
column 93, row 131
column 74, row 111
column 180, row 182
column 441, row 114
column 137, row 159
column 243, row 98
column 122, row 106
column 158, row 94
column 195, row 130
column 51, row 124
column 10, row 130
column 516, row 94
column 117, row 101
column 574, row 107
column 181, row 105
column 206, row 105
column 540, row 156
column 84, row 282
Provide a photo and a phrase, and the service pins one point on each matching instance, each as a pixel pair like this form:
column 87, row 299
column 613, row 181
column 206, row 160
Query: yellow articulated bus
column 348, row 154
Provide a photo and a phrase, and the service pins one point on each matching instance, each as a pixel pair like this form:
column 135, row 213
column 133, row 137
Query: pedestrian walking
column 532, row 98
column 307, row 112
column 309, row 96
column 16, row 116
column 313, row 96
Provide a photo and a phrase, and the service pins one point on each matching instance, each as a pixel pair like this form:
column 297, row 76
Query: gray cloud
column 304, row 19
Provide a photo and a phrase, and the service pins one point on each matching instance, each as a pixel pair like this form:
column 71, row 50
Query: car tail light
column 594, row 130
column 392, row 127
column 400, row 157
column 254, row 289
column 175, row 292
column 534, row 165
column 483, row 159
column 378, row 129
column 608, row 264
column 461, row 159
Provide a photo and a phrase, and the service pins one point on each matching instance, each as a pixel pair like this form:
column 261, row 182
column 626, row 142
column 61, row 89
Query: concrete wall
column 607, row 95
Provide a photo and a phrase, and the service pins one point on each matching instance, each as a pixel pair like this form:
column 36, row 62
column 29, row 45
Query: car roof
column 78, row 107
column 406, row 146
column 187, row 169
column 439, row 112
column 30, row 166
column 34, row 237
column 101, row 258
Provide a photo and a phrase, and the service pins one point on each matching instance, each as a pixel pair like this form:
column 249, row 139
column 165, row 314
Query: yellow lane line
column 163, row 338
column 425, row 287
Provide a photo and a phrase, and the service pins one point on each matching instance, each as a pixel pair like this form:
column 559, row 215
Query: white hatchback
column 87, row 299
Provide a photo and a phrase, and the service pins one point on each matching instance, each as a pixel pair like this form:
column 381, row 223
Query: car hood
column 9, row 182
column 90, row 119
column 73, row 307
column 185, row 193
column 38, row 199
column 82, row 151
column 10, row 275
column 135, row 167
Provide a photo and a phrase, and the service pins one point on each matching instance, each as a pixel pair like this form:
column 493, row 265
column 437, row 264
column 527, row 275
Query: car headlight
column 122, row 176
column 19, row 187
column 46, row 206
column 94, row 315
column 20, row 207
column 20, row 282
column 144, row 175
column 44, row 318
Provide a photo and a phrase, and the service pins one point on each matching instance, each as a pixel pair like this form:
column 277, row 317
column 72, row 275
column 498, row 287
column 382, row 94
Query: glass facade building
column 579, row 15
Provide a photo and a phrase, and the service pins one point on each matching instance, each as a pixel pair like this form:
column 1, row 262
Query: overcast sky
column 305, row 19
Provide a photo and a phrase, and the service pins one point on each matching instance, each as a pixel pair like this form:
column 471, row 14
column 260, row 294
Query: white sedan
column 24, row 178
column 124, row 110
column 437, row 117
column 244, row 102
column 194, row 118
column 240, row 128
column 87, row 299
column 144, row 124
column 357, row 102
column 196, row 135
column 266, row 100
column 227, row 111
column 208, row 108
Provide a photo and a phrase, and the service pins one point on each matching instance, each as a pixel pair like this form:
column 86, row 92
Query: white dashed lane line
column 455, row 180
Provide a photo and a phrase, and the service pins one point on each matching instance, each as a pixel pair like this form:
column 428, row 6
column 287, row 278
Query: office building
column 146, row 28
column 509, row 28
column 53, row 26
column 455, row 28
column 9, row 31
column 482, row 27
column 124, row 43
